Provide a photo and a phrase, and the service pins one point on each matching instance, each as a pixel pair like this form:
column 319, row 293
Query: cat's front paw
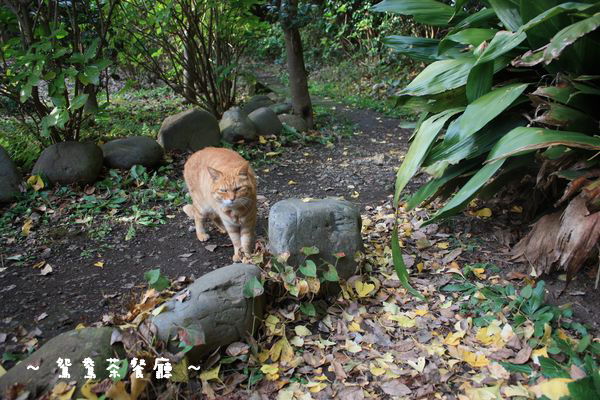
column 236, row 258
column 203, row 237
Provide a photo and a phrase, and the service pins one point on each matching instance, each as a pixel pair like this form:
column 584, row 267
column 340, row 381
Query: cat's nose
column 227, row 202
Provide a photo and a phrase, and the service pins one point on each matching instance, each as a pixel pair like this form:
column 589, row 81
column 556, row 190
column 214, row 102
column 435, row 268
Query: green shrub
column 506, row 82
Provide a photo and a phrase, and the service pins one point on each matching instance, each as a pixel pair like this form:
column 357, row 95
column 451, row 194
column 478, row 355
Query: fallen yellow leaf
column 262, row 140
column 210, row 374
column 554, row 389
column 375, row 370
column 25, row 230
column 442, row 245
column 363, row 289
column 474, row 359
column 36, row 182
column 301, row 330
column 86, row 390
column 453, row 339
column 483, row 213
column 316, row 387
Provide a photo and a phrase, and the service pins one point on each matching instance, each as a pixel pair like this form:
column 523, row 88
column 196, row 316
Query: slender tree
column 295, row 61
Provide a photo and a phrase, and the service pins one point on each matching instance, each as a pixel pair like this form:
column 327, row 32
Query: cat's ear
column 214, row 174
column 244, row 170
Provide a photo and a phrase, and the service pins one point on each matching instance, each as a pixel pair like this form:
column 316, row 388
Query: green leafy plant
column 506, row 82
column 49, row 69
column 156, row 280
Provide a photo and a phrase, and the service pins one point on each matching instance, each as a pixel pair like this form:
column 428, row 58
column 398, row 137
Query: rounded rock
column 70, row 162
column 135, row 150
column 191, row 130
column 266, row 121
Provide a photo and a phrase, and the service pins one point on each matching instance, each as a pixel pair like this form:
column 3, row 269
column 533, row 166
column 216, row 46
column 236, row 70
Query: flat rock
column 235, row 125
column 191, row 130
column 75, row 345
column 215, row 307
column 330, row 224
column 256, row 102
column 294, row 121
column 135, row 150
column 9, row 178
column 70, row 162
column 266, row 121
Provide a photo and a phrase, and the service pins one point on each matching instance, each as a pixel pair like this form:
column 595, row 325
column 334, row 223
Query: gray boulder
column 281, row 108
column 124, row 153
column 70, row 162
column 266, row 121
column 215, row 307
column 256, row 102
column 332, row 225
column 295, row 121
column 189, row 130
column 9, row 178
column 75, row 345
column 235, row 125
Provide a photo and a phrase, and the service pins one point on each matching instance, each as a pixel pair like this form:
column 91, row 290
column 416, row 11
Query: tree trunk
column 295, row 61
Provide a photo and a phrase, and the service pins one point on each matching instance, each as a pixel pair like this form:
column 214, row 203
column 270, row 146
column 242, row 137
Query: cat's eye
column 222, row 190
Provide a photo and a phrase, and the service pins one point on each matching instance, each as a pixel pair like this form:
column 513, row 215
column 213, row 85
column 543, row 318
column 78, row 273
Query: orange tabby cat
column 223, row 188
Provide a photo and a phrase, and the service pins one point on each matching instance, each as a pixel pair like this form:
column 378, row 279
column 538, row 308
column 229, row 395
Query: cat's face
column 231, row 189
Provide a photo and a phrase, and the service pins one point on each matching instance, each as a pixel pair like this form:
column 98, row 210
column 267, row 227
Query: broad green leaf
column 253, row 288
column 432, row 187
column 505, row 41
column 508, row 12
column 428, row 12
column 463, row 138
column 331, row 274
column 468, row 191
column 309, row 269
column 472, row 36
column 91, row 74
column 439, row 77
column 552, row 369
column 308, row 309
column 78, row 101
column 502, row 43
column 569, row 35
column 524, row 369
column 400, row 267
column 156, row 280
column 523, row 139
column 90, row 52
column 484, row 109
column 480, row 80
column 421, row 49
column 583, row 389
column 25, row 93
column 424, row 138
column 480, row 18
column 309, row 251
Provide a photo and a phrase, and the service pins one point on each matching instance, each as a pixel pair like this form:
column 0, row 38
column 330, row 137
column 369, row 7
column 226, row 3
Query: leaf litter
column 474, row 337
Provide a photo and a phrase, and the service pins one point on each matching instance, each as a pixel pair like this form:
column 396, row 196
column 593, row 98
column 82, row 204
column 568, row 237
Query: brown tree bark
column 297, row 72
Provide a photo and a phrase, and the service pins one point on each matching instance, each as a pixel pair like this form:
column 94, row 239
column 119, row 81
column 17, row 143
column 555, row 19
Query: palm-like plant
column 512, row 88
